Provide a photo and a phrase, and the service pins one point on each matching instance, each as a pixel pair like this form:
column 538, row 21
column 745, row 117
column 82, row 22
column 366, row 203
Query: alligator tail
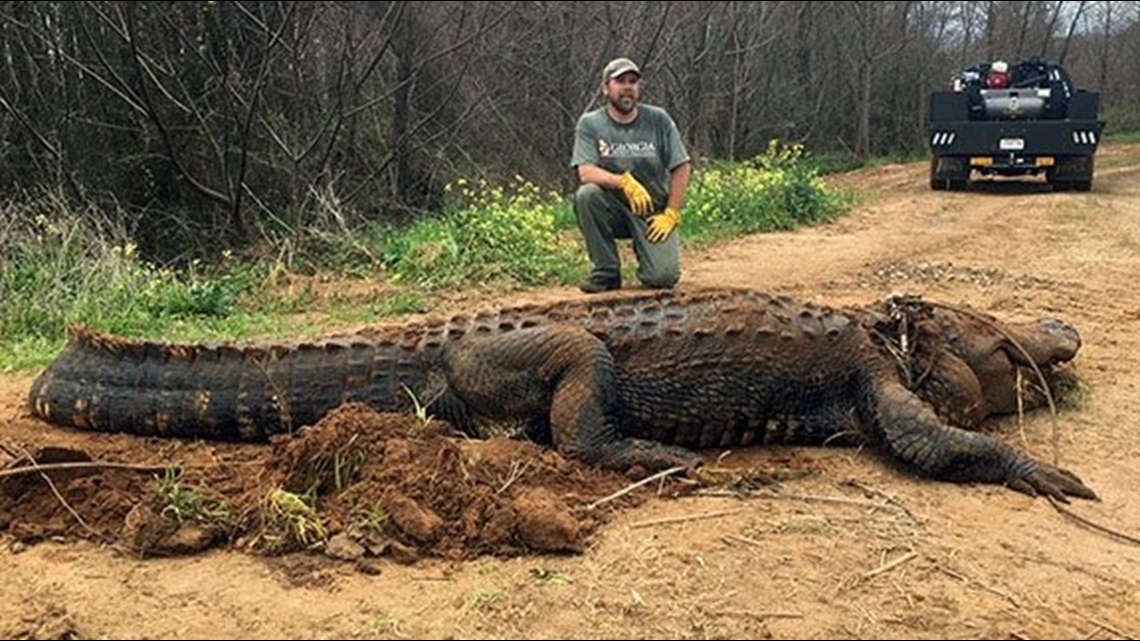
column 225, row 392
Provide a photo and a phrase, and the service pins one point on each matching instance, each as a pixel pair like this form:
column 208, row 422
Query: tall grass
column 61, row 265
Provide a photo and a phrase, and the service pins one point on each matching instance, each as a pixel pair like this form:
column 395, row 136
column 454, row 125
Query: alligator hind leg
column 561, row 373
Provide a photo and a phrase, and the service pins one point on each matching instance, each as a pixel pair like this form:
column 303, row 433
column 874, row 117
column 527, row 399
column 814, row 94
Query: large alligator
column 617, row 380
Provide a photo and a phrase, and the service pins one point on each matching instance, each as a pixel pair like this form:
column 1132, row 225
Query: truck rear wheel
column 948, row 173
column 1073, row 172
column 937, row 183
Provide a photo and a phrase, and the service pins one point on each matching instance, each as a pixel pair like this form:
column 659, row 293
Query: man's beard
column 624, row 104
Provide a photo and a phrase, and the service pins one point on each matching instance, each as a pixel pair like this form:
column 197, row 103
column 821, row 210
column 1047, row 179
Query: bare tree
column 238, row 121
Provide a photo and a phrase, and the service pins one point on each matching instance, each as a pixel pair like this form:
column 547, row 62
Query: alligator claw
column 1053, row 482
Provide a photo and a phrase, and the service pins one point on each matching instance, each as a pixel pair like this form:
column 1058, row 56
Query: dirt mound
column 355, row 485
column 396, row 483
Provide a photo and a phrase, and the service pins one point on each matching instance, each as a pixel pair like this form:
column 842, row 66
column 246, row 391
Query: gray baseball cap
column 617, row 67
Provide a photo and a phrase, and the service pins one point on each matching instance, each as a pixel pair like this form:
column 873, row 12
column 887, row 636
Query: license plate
column 1012, row 144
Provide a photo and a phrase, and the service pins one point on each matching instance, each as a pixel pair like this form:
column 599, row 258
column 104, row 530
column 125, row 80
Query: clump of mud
column 356, row 484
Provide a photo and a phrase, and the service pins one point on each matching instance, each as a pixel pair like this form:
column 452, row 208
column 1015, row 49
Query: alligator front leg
column 912, row 433
column 560, row 373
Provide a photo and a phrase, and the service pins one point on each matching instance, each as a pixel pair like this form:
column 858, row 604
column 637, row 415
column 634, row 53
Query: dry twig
column 764, row 614
column 518, row 468
column 78, row 465
column 1090, row 524
column 816, row 498
column 886, row 567
column 59, row 497
column 985, row 586
column 889, row 498
column 688, row 517
column 626, row 490
column 743, row 539
column 1101, row 625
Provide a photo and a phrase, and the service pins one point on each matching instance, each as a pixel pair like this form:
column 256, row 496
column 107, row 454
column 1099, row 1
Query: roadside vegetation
column 60, row 267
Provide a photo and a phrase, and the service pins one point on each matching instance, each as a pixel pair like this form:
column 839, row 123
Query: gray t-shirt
column 648, row 147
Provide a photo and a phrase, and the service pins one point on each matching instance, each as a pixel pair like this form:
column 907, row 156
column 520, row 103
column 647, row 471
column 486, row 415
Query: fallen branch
column 885, row 496
column 1104, row 626
column 79, row 465
column 764, row 614
column 886, row 567
column 682, row 519
column 1090, row 524
column 626, row 490
column 36, row 467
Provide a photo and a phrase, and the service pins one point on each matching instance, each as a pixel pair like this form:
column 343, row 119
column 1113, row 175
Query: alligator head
column 968, row 364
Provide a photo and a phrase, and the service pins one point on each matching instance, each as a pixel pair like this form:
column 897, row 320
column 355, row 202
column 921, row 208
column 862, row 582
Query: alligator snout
column 1056, row 342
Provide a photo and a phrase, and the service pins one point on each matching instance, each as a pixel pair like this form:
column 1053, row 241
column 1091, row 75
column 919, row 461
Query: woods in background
column 206, row 124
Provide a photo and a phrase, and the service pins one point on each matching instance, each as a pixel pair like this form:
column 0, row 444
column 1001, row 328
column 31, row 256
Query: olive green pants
column 603, row 217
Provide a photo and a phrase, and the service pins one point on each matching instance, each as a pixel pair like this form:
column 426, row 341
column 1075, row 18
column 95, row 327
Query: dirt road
column 852, row 549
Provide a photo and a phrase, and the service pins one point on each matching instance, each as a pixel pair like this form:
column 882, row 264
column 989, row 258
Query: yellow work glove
column 663, row 224
column 639, row 200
